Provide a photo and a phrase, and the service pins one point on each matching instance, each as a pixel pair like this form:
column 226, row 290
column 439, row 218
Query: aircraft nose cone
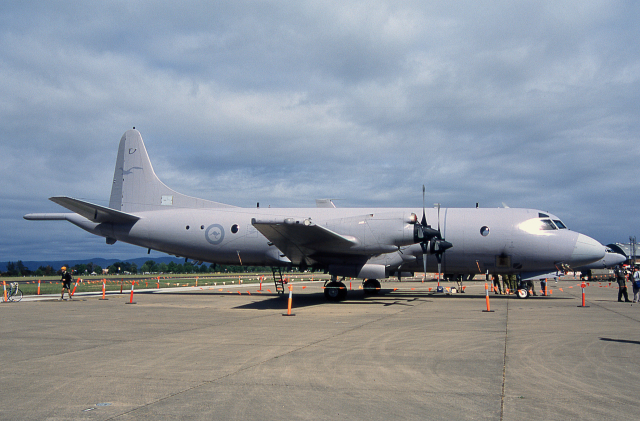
column 586, row 250
column 614, row 259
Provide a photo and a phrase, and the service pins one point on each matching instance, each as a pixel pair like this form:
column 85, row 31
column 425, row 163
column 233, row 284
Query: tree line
column 121, row 268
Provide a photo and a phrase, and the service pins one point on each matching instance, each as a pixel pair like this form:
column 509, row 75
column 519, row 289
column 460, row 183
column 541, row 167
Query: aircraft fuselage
column 512, row 241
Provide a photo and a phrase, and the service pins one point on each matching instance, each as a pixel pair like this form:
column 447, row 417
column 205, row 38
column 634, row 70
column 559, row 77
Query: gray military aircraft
column 368, row 244
column 611, row 259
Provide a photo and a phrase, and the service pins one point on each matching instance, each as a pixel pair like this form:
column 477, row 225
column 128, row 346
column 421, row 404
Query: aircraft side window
column 484, row 231
column 234, row 228
column 547, row 225
column 559, row 224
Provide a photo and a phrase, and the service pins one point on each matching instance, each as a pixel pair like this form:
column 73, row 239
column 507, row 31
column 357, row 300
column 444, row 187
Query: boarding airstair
column 278, row 279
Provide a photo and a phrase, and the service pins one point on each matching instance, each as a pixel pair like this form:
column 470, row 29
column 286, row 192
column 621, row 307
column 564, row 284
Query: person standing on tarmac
column 496, row 284
column 635, row 282
column 506, row 288
column 531, row 286
column 621, row 278
column 513, row 283
column 66, row 283
column 543, row 286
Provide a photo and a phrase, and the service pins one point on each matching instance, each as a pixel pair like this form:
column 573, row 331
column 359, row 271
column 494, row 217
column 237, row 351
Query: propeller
column 423, row 223
column 430, row 240
column 440, row 245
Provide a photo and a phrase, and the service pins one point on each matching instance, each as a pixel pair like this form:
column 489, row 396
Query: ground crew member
column 496, row 284
column 513, row 283
column 66, row 282
column 621, row 278
column 505, row 284
column 531, row 286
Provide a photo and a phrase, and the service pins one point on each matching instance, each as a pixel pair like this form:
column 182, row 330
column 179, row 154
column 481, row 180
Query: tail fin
column 136, row 187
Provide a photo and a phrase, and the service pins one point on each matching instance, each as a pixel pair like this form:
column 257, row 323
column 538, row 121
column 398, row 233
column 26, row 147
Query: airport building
column 629, row 249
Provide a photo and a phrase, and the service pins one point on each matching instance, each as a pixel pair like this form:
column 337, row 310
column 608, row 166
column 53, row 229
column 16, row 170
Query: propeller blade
column 424, row 216
column 424, row 263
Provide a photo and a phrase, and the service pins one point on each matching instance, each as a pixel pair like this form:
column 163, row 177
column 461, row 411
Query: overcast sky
column 533, row 104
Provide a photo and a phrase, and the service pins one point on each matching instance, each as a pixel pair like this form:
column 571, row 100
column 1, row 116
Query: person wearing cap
column 621, row 278
column 66, row 283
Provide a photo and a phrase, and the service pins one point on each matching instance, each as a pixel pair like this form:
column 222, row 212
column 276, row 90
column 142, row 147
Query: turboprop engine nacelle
column 376, row 233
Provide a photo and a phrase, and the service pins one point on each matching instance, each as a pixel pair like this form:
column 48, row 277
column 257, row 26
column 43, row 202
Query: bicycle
column 14, row 294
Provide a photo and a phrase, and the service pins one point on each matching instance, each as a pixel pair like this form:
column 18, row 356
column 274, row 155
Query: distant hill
column 104, row 263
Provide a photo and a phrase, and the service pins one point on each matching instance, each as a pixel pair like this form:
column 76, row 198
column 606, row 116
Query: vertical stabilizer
column 136, row 187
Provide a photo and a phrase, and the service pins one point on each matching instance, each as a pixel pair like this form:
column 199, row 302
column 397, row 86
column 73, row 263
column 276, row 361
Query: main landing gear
column 335, row 290
column 371, row 287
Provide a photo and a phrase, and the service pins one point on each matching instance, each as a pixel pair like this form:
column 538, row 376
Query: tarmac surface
column 222, row 353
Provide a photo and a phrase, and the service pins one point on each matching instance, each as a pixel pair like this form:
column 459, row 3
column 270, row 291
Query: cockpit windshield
column 537, row 226
column 559, row 224
column 547, row 225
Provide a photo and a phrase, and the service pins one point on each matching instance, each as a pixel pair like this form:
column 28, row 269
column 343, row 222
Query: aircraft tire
column 335, row 291
column 371, row 287
column 522, row 293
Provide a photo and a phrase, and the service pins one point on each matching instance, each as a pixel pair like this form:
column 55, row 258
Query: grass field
column 52, row 284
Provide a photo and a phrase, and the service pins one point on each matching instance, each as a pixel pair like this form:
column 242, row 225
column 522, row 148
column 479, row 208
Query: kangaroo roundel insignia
column 214, row 234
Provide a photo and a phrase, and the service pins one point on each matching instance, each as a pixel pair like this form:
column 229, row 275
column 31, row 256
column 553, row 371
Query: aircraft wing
column 300, row 240
column 94, row 213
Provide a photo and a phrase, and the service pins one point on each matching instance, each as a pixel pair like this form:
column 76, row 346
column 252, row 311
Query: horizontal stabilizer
column 325, row 203
column 298, row 240
column 94, row 213
column 46, row 216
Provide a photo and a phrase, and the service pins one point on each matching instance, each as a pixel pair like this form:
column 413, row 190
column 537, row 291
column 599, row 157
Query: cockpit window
column 559, row 224
column 542, row 215
column 547, row 225
column 538, row 226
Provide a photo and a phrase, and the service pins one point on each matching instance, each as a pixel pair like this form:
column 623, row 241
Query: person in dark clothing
column 66, row 283
column 621, row 278
column 513, row 283
column 496, row 284
column 506, row 288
